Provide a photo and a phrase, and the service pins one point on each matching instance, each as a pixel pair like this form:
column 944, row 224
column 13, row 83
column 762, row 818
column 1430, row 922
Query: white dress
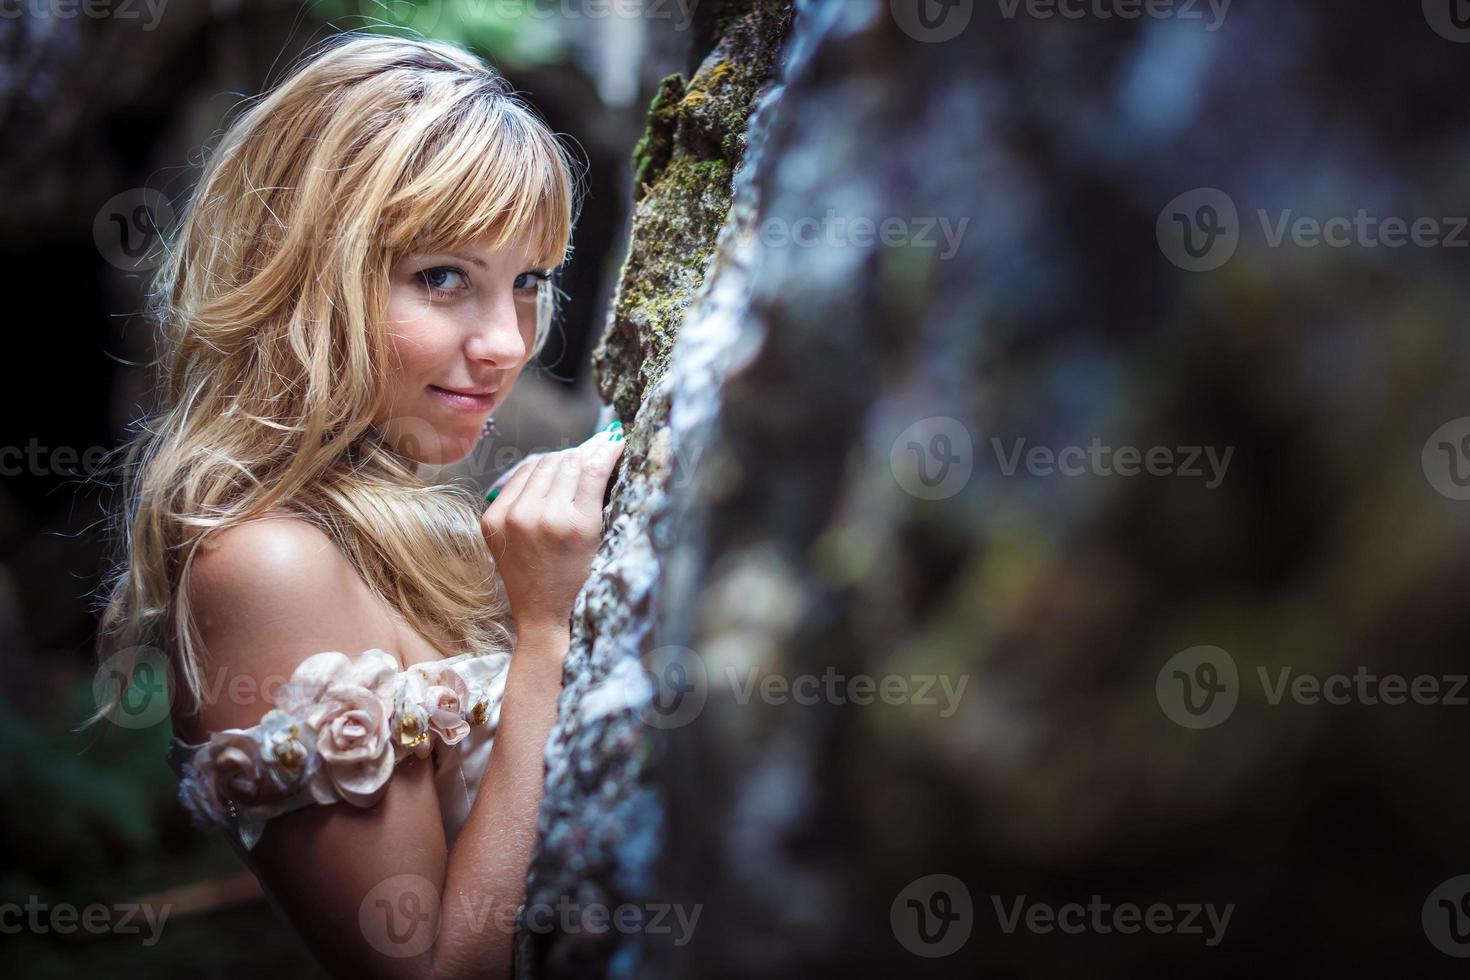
column 339, row 728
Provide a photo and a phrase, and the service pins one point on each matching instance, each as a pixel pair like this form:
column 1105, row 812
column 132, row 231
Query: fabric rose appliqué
column 431, row 702
column 248, row 768
column 346, row 701
column 340, row 726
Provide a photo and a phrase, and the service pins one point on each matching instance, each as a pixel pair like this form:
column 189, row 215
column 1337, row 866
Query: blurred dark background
column 1338, row 377
column 99, row 114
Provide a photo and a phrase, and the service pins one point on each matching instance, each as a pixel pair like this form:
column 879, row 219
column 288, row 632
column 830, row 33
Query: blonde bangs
column 492, row 172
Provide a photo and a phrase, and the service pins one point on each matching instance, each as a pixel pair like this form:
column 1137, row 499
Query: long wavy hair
column 274, row 356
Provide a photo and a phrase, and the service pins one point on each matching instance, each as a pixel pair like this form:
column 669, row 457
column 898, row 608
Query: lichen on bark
column 683, row 166
column 600, row 828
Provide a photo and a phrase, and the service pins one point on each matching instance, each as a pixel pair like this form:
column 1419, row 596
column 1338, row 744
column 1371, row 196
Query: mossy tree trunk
column 787, row 512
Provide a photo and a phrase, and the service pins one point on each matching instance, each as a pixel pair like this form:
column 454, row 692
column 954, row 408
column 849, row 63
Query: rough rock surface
column 601, row 823
column 819, row 397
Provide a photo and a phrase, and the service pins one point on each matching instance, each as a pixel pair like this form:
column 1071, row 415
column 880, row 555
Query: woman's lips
column 466, row 403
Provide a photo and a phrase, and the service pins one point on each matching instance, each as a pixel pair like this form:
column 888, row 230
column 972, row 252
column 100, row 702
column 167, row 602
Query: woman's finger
column 569, row 476
column 517, row 478
column 592, row 476
column 540, row 481
column 504, row 478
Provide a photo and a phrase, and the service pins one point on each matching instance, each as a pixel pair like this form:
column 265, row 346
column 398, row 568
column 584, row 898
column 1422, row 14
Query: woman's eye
column 531, row 280
column 443, row 279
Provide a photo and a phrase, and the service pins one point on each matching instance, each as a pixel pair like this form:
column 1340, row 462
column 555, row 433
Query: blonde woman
column 358, row 280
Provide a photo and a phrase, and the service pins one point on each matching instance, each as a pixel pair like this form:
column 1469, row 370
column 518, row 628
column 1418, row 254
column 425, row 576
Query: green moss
column 653, row 151
column 683, row 167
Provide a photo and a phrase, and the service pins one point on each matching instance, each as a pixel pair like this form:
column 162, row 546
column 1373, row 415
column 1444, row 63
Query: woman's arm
column 374, row 892
column 487, row 867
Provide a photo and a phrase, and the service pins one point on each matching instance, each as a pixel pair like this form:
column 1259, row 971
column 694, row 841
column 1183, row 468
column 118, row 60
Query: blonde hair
column 274, row 357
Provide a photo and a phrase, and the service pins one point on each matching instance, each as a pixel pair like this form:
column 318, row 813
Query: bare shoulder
column 264, row 596
column 265, row 558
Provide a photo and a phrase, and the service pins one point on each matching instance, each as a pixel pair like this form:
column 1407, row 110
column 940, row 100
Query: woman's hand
column 545, row 526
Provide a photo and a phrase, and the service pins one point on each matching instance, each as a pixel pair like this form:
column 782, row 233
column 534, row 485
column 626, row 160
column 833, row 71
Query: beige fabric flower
column 442, row 694
column 348, row 701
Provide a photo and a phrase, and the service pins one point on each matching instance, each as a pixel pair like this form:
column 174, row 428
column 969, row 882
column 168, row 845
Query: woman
column 359, row 279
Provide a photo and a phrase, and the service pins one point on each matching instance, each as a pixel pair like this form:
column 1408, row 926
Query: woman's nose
column 497, row 337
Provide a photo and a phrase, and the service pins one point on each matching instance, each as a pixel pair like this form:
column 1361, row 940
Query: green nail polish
column 494, row 492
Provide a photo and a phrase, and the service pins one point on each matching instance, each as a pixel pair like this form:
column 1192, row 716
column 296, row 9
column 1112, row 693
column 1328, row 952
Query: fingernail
column 490, row 497
column 611, row 426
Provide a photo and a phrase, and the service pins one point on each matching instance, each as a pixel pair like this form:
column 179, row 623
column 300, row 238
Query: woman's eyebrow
column 472, row 260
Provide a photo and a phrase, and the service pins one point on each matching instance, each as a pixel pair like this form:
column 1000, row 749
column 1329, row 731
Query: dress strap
column 339, row 728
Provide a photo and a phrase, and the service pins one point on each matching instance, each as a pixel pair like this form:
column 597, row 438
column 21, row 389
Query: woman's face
column 460, row 321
